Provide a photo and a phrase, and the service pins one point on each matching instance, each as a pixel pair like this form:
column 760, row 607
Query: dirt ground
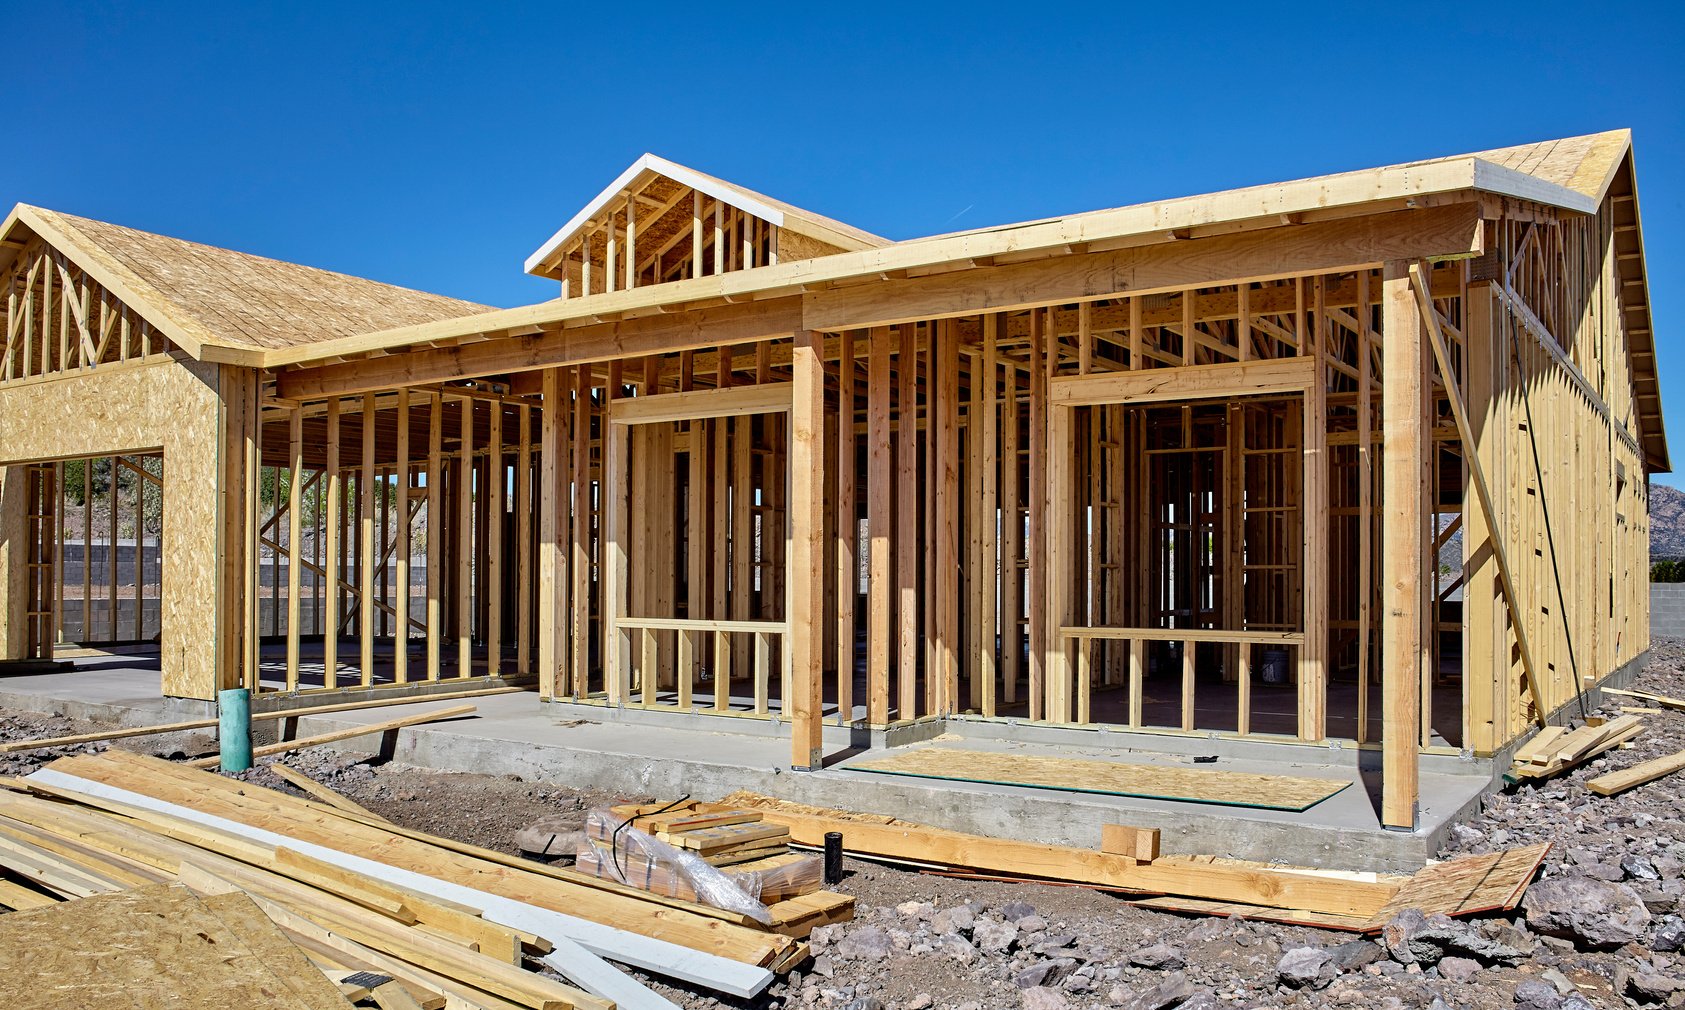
column 921, row 940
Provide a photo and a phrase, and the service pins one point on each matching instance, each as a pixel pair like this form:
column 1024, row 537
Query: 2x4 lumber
column 331, row 555
column 318, row 790
column 1325, row 247
column 581, row 498
column 435, row 534
column 465, row 541
column 926, row 845
column 731, row 401
column 646, row 935
column 693, row 329
column 907, row 541
column 1404, row 531
column 351, row 733
column 1035, row 547
column 945, row 435
column 401, row 509
column 523, row 542
column 988, row 525
column 295, row 543
column 493, row 505
column 1313, row 654
column 615, row 568
column 366, row 545
column 847, row 528
column 806, row 641
column 1477, row 474
column 877, row 526
column 1628, row 778
column 552, row 623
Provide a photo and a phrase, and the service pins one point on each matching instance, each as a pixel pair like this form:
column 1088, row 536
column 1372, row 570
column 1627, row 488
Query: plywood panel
column 173, row 406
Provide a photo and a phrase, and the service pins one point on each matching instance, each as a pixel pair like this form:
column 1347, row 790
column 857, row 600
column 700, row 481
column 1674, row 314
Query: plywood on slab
column 1242, row 789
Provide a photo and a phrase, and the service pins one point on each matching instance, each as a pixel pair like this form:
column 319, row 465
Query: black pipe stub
column 833, row 857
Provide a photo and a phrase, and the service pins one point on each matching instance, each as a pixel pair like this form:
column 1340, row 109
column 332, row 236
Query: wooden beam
column 739, row 323
column 401, row 603
column 552, row 624
column 877, row 527
column 1159, row 385
column 367, row 552
column 1329, row 247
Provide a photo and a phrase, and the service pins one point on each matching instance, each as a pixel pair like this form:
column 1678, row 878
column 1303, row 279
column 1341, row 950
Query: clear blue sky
column 437, row 144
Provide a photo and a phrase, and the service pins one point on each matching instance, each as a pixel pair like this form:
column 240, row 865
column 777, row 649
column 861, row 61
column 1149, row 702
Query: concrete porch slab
column 708, row 758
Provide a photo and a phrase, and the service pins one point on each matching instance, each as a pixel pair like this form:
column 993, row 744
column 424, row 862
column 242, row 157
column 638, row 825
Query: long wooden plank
column 926, row 845
column 352, row 733
column 295, row 713
column 719, row 954
column 1637, row 775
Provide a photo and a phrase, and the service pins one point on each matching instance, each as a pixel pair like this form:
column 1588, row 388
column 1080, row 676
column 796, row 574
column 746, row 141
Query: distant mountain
column 1667, row 522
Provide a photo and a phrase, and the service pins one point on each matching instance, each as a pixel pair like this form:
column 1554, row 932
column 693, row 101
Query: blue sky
column 437, row 144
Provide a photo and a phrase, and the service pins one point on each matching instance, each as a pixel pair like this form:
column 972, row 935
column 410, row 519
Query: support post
column 1404, row 532
column 807, row 547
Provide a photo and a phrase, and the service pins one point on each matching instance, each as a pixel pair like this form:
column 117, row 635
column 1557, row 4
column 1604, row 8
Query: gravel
column 1604, row 929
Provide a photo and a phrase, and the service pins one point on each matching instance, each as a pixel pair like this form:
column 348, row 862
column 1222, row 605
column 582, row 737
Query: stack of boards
column 1555, row 749
column 752, row 852
column 345, row 891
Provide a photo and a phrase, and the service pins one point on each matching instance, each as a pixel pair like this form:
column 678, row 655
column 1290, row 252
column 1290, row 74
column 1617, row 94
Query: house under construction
column 1359, row 457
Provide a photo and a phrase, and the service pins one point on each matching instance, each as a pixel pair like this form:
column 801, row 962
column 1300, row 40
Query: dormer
column 660, row 221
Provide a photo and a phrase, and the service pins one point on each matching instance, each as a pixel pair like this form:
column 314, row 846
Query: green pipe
column 234, row 729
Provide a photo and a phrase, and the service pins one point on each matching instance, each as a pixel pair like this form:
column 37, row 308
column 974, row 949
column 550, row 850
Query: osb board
column 150, row 948
column 1470, row 885
column 239, row 300
column 165, row 404
column 1240, row 789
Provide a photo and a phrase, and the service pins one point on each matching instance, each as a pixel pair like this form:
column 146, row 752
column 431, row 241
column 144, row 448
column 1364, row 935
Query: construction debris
column 359, row 894
column 1556, row 749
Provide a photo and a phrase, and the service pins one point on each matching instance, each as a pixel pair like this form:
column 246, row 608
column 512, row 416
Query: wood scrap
column 345, row 734
column 1549, row 754
column 1659, row 699
column 320, row 791
column 1628, row 778
column 125, row 732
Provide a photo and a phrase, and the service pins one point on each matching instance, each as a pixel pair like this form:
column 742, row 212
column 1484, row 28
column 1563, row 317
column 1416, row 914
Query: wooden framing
column 1181, row 469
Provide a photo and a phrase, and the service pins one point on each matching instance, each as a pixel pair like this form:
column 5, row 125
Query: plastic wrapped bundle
column 616, row 850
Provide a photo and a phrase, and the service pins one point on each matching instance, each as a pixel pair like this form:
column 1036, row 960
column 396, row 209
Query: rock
column 953, row 920
column 1532, row 995
column 866, row 1003
column 1159, row 957
column 554, row 835
column 823, row 966
column 922, row 1001
column 913, row 910
column 1669, row 935
column 1639, row 868
column 1174, row 991
column 1042, row 998
column 1458, row 969
column 994, row 937
column 867, row 944
column 1058, row 941
column 1031, row 923
column 1044, row 973
column 1304, row 966
column 1594, row 912
column 1354, row 955
column 1467, row 836
column 1012, row 911
column 1650, row 988
column 1414, row 938
column 958, row 948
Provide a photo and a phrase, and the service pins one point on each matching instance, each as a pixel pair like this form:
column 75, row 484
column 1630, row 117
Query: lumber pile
column 1328, row 899
column 447, row 919
column 750, row 853
column 1555, row 749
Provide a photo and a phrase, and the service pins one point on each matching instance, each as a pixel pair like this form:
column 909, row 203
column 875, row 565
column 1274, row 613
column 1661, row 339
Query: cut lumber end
column 1139, row 844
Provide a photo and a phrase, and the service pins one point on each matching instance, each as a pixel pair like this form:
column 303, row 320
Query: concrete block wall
column 1667, row 609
